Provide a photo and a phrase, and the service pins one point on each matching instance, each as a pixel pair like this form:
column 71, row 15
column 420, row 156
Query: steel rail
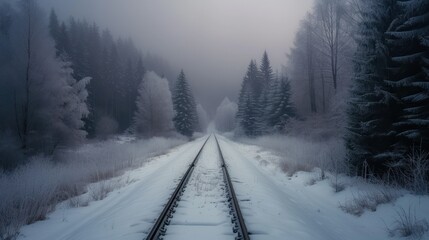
column 240, row 226
column 158, row 230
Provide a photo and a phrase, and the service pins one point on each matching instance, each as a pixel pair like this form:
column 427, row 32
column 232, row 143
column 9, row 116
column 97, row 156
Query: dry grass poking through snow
column 407, row 225
column 29, row 193
column 300, row 154
column 369, row 201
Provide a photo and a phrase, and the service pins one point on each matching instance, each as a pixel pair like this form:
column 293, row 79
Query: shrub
column 407, row 225
column 358, row 204
column 30, row 192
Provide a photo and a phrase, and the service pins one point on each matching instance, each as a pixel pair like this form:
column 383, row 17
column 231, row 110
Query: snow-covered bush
column 369, row 201
column 225, row 116
column 413, row 171
column 302, row 154
column 407, row 225
column 32, row 190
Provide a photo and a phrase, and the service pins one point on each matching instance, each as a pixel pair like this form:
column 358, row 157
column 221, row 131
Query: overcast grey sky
column 212, row 40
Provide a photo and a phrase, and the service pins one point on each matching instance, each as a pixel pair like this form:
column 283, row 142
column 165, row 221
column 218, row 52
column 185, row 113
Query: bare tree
column 330, row 18
column 310, row 63
column 22, row 122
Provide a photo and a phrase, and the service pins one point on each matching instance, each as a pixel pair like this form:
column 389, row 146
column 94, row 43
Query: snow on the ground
column 276, row 206
column 127, row 213
column 202, row 212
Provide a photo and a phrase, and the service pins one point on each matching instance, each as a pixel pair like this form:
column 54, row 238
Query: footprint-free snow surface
column 274, row 206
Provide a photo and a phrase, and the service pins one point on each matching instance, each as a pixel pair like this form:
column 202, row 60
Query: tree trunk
column 310, row 69
column 25, row 116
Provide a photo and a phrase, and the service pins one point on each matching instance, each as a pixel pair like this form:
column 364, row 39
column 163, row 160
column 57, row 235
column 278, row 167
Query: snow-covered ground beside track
column 276, row 206
column 127, row 213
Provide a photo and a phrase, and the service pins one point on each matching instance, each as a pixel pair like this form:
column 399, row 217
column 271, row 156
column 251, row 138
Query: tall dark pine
column 185, row 119
column 248, row 122
column 280, row 109
column 410, row 74
column 248, row 100
column 266, row 70
column 371, row 109
column 266, row 76
column 54, row 28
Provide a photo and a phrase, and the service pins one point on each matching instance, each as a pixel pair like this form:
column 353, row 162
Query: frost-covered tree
column 371, row 109
column 115, row 65
column 225, row 116
column 46, row 102
column 409, row 75
column 280, row 109
column 154, row 107
column 185, row 118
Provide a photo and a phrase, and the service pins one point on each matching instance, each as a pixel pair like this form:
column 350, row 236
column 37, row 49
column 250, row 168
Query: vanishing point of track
column 239, row 227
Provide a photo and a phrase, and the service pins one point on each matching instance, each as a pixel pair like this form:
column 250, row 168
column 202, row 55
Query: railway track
column 238, row 225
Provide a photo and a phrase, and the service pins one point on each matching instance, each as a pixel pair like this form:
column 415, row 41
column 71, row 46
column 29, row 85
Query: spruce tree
column 248, row 100
column 54, row 28
column 371, row 108
column 185, row 119
column 410, row 80
column 281, row 109
column 266, row 77
column 266, row 71
column 249, row 120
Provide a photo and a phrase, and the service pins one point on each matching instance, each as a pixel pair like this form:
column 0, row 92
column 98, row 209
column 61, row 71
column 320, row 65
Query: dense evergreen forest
column 66, row 81
column 360, row 66
column 363, row 67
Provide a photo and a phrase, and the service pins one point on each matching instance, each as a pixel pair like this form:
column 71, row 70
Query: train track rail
column 159, row 229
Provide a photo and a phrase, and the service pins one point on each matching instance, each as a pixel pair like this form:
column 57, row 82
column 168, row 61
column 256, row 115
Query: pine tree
column 248, row 122
column 266, row 77
column 266, row 70
column 185, row 119
column 54, row 28
column 410, row 80
column 248, row 101
column 371, row 108
column 281, row 109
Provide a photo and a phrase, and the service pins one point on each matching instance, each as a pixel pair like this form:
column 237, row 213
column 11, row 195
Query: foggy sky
column 212, row 40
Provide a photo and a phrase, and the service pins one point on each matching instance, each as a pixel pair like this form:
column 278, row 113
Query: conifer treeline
column 115, row 66
column 185, row 118
column 264, row 104
column 389, row 108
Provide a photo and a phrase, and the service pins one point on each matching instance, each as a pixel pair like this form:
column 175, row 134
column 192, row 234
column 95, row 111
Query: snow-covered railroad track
column 204, row 204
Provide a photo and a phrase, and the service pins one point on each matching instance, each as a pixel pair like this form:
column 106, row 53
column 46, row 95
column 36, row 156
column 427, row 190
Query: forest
column 351, row 98
column 358, row 67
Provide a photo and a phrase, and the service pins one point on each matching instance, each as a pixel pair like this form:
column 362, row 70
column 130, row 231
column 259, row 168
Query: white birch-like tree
column 154, row 107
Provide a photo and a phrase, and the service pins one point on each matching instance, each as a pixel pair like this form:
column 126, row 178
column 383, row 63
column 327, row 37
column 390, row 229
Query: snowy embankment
column 29, row 193
column 280, row 202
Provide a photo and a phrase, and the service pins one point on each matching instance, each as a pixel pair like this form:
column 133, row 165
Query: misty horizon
column 212, row 41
